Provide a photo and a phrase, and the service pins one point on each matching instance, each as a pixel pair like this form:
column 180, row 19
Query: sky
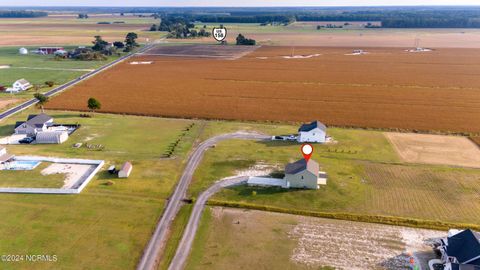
column 234, row 3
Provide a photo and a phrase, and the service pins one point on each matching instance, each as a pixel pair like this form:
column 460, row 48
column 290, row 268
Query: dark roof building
column 464, row 247
column 302, row 165
column 311, row 126
column 456, row 266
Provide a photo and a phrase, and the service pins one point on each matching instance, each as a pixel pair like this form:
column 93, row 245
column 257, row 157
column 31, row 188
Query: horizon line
column 279, row 6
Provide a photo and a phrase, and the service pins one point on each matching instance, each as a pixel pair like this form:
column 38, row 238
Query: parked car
column 26, row 140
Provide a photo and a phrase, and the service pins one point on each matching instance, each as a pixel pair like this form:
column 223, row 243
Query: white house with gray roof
column 34, row 124
column 20, row 85
column 315, row 132
column 303, row 174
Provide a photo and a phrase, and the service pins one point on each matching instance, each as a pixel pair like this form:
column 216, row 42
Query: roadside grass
column 110, row 225
column 31, row 178
column 178, row 227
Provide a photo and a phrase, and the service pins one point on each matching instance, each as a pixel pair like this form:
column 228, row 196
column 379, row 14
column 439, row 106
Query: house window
column 302, row 177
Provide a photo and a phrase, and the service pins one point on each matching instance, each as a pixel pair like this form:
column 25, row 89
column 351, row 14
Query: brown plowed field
column 387, row 88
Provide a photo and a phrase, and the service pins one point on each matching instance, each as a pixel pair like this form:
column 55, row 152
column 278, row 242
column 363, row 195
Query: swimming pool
column 22, row 165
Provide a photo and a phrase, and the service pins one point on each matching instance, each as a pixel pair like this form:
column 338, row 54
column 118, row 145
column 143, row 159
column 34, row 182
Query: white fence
column 99, row 164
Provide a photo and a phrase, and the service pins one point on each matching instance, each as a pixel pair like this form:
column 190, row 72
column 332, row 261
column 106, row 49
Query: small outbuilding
column 315, row 132
column 125, row 171
column 51, row 137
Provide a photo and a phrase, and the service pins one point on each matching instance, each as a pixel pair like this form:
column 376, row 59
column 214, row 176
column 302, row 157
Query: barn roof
column 312, row 125
column 465, row 246
column 302, row 165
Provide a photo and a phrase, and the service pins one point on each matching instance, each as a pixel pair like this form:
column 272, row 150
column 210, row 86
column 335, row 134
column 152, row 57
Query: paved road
column 151, row 253
column 183, row 249
column 61, row 88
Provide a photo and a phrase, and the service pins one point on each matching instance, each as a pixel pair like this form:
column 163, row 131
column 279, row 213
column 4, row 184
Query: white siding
column 303, row 179
column 315, row 135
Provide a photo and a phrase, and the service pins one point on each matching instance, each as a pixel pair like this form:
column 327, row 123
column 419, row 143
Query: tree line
column 22, row 14
column 389, row 17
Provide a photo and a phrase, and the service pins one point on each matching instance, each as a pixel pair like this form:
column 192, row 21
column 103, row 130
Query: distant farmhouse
column 461, row 250
column 303, row 174
column 49, row 50
column 20, row 85
column 299, row 174
column 314, row 132
column 34, row 124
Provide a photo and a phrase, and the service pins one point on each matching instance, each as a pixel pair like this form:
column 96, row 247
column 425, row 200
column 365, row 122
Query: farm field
column 435, row 149
column 421, row 91
column 37, row 69
column 305, row 34
column 226, row 236
column 365, row 176
column 111, row 224
column 68, row 30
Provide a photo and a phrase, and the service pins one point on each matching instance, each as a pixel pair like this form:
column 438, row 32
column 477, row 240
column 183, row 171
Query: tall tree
column 99, row 44
column 41, row 100
column 93, row 104
column 130, row 41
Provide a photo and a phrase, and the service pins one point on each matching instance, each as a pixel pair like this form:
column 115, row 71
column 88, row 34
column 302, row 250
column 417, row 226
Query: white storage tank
column 23, row 51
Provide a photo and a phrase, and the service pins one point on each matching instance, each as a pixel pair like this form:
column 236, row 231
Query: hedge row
column 388, row 220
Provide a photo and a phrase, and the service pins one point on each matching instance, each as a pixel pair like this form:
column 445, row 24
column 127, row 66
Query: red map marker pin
column 307, row 151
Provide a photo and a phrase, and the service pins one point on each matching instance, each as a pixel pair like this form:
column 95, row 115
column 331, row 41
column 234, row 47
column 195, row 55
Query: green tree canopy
column 93, row 104
column 41, row 100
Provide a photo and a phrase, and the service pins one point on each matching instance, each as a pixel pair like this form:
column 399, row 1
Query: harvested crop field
column 229, row 235
column 387, row 88
column 432, row 193
column 435, row 149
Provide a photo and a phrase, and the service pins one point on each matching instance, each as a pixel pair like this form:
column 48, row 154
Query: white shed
column 23, row 51
column 51, row 137
column 125, row 170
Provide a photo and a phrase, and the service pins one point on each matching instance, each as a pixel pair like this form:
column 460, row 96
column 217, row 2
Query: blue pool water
column 22, row 165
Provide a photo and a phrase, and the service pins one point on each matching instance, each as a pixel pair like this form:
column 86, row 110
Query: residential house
column 304, row 174
column 125, row 170
column 461, row 250
column 20, row 85
column 34, row 124
column 314, row 132
column 49, row 50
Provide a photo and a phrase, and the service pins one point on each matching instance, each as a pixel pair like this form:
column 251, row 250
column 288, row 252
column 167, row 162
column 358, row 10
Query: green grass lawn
column 104, row 227
column 358, row 167
column 31, row 178
column 65, row 69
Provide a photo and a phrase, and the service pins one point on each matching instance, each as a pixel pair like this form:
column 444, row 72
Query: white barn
column 314, row 132
column 51, row 137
